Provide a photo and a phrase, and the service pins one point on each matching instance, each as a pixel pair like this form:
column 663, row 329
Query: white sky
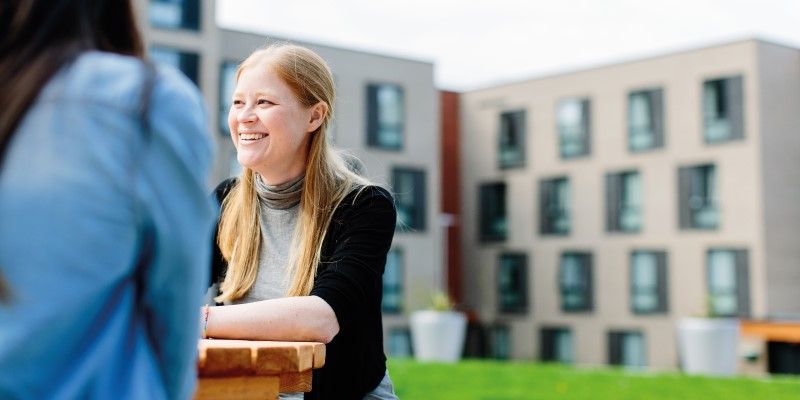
column 478, row 43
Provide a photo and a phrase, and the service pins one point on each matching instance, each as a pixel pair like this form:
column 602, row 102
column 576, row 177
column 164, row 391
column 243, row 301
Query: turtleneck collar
column 280, row 197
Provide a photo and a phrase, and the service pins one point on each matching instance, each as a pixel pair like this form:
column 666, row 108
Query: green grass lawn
column 485, row 380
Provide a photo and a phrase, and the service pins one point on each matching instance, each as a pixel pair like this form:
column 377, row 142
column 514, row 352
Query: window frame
column 617, row 187
column 193, row 14
column 688, row 212
column 522, row 263
column 550, row 193
column 661, row 288
column 486, row 235
column 223, row 105
column 548, row 343
column 584, row 138
column 419, row 193
column 373, row 117
column 742, row 280
column 585, row 289
column 733, row 97
column 616, row 344
column 398, row 287
column 519, row 116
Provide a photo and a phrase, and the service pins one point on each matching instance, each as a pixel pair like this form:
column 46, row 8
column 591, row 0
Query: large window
column 493, row 220
column 392, row 302
column 728, row 283
column 385, row 116
column 227, row 85
column 649, row 282
column 512, row 139
column 500, row 342
column 624, row 202
column 575, row 282
column 556, row 344
column 175, row 14
column 409, row 194
column 187, row 62
column 512, row 285
column 723, row 110
column 627, row 348
column 554, row 200
column 574, row 127
column 698, row 197
column 645, row 120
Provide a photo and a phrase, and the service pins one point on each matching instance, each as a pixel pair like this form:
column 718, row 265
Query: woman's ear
column 318, row 113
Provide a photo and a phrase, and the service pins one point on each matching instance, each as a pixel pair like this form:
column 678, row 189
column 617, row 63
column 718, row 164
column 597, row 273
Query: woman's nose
column 246, row 115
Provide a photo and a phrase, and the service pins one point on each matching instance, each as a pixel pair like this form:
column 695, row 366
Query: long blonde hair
column 327, row 181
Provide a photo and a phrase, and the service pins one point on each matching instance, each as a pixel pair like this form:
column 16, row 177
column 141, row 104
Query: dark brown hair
column 39, row 37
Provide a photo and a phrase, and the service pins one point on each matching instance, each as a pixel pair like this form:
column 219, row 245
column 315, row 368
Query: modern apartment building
column 600, row 206
column 387, row 115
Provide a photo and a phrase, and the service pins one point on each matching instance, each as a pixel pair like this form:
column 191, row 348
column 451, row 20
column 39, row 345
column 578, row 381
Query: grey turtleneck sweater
column 278, row 209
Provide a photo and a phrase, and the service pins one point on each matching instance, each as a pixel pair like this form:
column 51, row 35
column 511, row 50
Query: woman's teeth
column 252, row 136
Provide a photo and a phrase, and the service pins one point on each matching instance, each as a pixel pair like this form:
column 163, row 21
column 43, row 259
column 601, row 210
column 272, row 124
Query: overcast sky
column 478, row 43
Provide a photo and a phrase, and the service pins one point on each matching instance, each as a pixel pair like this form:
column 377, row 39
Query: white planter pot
column 438, row 335
column 708, row 345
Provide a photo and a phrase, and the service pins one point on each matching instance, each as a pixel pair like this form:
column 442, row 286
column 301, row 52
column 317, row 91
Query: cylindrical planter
column 438, row 335
column 708, row 346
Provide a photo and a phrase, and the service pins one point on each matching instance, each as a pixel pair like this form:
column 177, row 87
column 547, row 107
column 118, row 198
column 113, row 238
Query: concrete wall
column 779, row 106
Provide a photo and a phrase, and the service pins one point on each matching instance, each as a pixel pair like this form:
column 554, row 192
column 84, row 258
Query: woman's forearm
column 304, row 318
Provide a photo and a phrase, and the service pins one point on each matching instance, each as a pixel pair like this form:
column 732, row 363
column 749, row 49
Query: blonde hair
column 328, row 181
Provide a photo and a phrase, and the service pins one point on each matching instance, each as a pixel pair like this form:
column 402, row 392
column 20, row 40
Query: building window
column 493, row 225
column 227, row 85
column 175, row 14
column 500, row 342
column 627, row 348
column 512, row 139
column 575, row 282
column 188, row 63
column 399, row 343
column 574, row 131
column 648, row 282
column 409, row 195
column 723, row 110
column 728, row 283
column 645, row 120
column 624, row 202
column 392, row 302
column 698, row 197
column 556, row 345
column 512, row 279
column 554, row 200
column 385, row 116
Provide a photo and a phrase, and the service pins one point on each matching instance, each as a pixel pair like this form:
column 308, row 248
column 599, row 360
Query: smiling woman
column 302, row 240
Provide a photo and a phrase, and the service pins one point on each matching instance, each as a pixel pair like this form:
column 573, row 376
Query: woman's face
column 269, row 126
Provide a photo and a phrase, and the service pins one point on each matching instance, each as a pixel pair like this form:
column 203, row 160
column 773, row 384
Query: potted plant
column 708, row 345
column 438, row 333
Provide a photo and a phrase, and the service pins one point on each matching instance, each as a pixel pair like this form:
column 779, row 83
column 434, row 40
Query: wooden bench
column 245, row 369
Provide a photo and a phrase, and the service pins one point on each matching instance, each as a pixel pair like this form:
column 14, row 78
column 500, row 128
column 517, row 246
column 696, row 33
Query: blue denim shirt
column 81, row 191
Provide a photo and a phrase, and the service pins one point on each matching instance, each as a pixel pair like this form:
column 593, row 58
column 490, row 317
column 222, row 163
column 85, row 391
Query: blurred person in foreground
column 302, row 239
column 104, row 216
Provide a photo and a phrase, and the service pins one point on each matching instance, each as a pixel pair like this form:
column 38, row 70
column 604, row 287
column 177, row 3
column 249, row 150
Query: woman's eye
column 238, row 102
column 264, row 101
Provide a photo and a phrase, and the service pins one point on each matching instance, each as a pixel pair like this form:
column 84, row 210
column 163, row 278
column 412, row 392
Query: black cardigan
column 349, row 279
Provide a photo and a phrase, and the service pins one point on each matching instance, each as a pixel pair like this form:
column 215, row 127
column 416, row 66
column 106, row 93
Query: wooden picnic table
column 249, row 369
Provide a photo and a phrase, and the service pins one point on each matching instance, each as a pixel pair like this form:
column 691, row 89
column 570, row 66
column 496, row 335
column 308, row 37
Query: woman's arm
column 347, row 287
column 305, row 318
